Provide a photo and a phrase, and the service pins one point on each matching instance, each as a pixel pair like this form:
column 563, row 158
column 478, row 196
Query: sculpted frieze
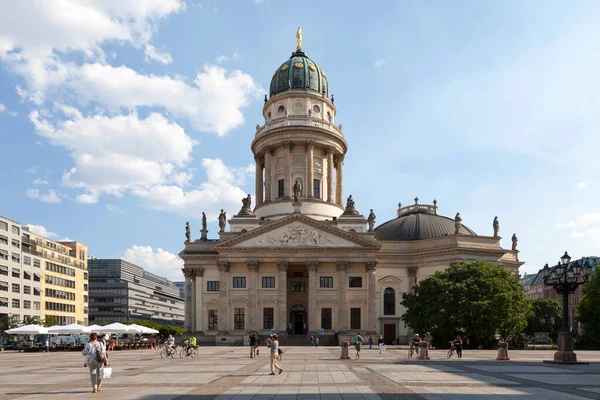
column 297, row 235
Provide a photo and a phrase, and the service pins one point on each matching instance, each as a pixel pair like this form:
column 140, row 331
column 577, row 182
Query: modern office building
column 121, row 291
column 181, row 286
column 40, row 277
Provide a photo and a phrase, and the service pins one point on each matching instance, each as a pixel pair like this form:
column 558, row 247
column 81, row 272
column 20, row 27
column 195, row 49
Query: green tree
column 50, row 321
column 476, row 298
column 7, row 323
column 589, row 310
column 546, row 316
column 31, row 321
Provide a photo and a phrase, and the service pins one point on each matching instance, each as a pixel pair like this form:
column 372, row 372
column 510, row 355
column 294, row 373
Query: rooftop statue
column 246, row 207
column 514, row 242
column 350, row 209
column 203, row 221
column 371, row 220
column 222, row 221
column 188, row 235
column 496, row 226
column 457, row 221
column 297, row 188
column 299, row 39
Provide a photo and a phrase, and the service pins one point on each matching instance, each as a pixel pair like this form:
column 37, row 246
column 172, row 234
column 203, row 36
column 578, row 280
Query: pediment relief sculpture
column 297, row 235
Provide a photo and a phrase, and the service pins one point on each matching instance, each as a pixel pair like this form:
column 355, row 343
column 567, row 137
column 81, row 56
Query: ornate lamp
column 565, row 259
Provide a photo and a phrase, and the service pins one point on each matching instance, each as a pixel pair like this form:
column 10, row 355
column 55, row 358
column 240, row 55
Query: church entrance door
column 389, row 333
column 298, row 319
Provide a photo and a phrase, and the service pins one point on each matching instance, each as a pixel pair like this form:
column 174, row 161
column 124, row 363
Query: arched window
column 389, row 302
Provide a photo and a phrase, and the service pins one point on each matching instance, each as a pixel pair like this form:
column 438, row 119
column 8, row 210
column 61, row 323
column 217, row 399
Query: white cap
column 416, row 334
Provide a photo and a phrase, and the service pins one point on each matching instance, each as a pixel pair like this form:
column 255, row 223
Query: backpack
column 99, row 353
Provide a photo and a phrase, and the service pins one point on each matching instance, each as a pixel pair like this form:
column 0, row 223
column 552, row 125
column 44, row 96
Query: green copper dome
column 299, row 72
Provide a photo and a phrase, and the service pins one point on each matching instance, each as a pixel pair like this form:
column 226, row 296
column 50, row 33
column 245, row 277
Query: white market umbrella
column 143, row 329
column 94, row 328
column 118, row 328
column 72, row 329
column 28, row 330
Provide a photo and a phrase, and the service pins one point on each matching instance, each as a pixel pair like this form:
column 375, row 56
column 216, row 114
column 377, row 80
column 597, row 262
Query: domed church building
column 299, row 258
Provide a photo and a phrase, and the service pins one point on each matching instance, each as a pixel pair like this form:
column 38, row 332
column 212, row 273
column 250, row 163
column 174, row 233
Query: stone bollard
column 424, row 351
column 345, row 351
column 502, row 352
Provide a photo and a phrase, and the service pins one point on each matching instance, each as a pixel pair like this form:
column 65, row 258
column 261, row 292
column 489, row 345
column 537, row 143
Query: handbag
column 106, row 373
column 279, row 351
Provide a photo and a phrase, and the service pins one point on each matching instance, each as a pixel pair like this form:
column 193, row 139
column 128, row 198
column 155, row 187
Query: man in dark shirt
column 253, row 345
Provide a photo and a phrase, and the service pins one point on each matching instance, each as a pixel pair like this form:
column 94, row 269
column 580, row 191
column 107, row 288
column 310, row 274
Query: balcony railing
column 418, row 208
column 299, row 121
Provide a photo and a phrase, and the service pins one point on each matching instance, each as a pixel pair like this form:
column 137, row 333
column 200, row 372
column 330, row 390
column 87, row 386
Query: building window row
column 109, row 291
column 355, row 282
column 16, row 243
column 3, row 226
column 16, row 257
column 298, row 287
column 3, row 239
column 326, row 282
column 239, row 282
column 60, row 307
column 62, row 320
column 268, row 282
column 3, row 254
column 213, row 320
column 3, row 270
column 53, row 280
column 238, row 318
column 3, row 286
column 268, row 318
column 60, row 269
column 3, row 301
column 326, row 318
column 60, row 294
column 212, row 286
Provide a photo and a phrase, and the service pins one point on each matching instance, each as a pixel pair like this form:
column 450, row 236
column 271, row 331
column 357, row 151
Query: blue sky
column 120, row 121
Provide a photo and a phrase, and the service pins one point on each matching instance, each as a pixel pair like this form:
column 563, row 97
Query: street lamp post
column 565, row 277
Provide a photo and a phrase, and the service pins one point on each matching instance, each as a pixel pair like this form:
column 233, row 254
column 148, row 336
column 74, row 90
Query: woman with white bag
column 95, row 356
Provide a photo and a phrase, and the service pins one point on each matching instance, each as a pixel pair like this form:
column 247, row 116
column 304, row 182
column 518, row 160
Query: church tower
column 299, row 146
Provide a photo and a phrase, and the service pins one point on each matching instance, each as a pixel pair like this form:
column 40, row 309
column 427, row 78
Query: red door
column 389, row 333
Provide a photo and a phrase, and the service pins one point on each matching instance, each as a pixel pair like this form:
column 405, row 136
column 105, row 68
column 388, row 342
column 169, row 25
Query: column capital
column 267, row 150
column 412, row 271
column 199, row 272
column 288, row 145
column 282, row 266
column 342, row 265
column 252, row 266
column 258, row 157
column 329, row 149
column 310, row 144
column 339, row 158
column 312, row 266
column 371, row 265
column 223, row 266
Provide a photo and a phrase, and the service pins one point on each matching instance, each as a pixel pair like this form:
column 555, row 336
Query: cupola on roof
column 299, row 72
column 419, row 221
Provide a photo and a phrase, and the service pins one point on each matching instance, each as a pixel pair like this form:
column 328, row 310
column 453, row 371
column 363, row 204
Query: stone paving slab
column 579, row 380
column 531, row 369
column 492, row 393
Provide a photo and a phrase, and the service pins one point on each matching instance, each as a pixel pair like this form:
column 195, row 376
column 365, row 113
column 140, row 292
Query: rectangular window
column 268, row 282
column 298, row 274
column 326, row 318
column 298, row 287
column 355, row 318
column 16, row 230
column 355, row 281
column 268, row 318
column 16, row 288
column 317, row 188
column 3, row 301
column 3, row 270
column 3, row 226
column 26, row 260
column 212, row 286
column 280, row 188
column 326, row 282
column 3, row 286
column 213, row 320
column 16, row 303
column 36, row 277
column 37, row 305
column 16, row 243
column 3, row 240
column 16, row 273
column 26, row 275
column 27, row 304
column 238, row 318
column 26, row 289
column 36, row 291
column 3, row 255
column 36, row 262
column 239, row 282
column 16, row 257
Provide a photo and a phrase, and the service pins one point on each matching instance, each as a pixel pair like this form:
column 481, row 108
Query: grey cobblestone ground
column 227, row 373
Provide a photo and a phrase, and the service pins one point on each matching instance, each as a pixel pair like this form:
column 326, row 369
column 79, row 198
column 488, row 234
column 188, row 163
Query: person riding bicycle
column 416, row 343
column 191, row 344
column 170, row 343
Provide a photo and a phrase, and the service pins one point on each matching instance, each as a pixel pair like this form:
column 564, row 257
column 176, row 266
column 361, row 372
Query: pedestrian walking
column 317, row 342
column 253, row 345
column 381, row 344
column 358, row 341
column 458, row 344
column 370, row 342
column 95, row 356
column 275, row 352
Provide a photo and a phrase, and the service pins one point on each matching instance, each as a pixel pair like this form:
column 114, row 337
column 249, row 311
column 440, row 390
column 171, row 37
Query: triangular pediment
column 239, row 300
column 389, row 279
column 268, row 300
column 212, row 301
column 326, row 300
column 299, row 231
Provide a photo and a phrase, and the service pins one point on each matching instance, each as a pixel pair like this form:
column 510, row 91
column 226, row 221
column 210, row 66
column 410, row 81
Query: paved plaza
column 227, row 373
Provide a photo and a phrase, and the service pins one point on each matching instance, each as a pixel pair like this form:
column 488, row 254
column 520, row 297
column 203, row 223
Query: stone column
column 223, row 267
column 287, row 170
column 282, row 266
column 310, row 165
column 259, row 179
column 268, row 191
column 187, row 288
column 330, row 174
column 312, row 296
column 252, row 296
column 371, row 266
column 199, row 300
column 342, row 266
column 339, row 180
column 193, row 298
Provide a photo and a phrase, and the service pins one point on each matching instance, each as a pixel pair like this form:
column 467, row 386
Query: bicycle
column 411, row 350
column 452, row 349
column 188, row 351
column 166, row 352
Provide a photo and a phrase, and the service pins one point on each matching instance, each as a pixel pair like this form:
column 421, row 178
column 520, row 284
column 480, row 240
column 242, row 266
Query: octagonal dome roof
column 299, row 72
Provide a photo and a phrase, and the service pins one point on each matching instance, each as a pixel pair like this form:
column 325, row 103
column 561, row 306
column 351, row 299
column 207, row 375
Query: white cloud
column 112, row 155
column 159, row 262
column 583, row 221
column 42, row 231
column 586, row 227
column 3, row 109
column 212, row 104
column 66, row 239
column 52, row 196
column 34, row 35
column 40, row 181
column 31, row 170
column 582, row 185
column 222, row 58
column 379, row 64
column 182, row 178
column 32, row 193
column 152, row 54
column 222, row 190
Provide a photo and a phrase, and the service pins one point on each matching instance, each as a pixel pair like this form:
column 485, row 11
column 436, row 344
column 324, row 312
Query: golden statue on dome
column 299, row 39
